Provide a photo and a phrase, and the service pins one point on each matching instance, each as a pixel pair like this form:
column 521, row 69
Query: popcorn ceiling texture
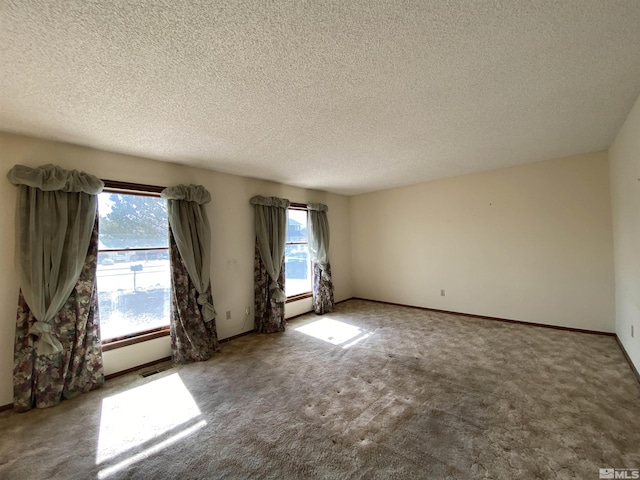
column 343, row 96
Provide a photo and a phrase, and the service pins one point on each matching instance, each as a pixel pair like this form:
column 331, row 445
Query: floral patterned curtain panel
column 193, row 327
column 319, row 249
column 269, row 313
column 192, row 338
column 322, row 289
column 57, row 346
column 271, row 231
column 44, row 380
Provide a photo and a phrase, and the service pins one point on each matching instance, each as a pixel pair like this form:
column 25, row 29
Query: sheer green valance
column 55, row 215
column 188, row 193
column 53, row 178
column 270, row 201
column 271, row 232
column 190, row 227
column 317, row 207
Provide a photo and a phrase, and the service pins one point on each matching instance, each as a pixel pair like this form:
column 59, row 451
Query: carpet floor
column 371, row 391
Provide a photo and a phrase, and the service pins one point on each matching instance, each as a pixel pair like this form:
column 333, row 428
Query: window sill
column 302, row 296
column 132, row 340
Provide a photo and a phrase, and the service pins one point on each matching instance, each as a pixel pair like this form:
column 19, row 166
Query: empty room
column 359, row 239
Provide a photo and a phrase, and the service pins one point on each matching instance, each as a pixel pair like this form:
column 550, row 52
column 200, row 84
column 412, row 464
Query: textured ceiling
column 344, row 96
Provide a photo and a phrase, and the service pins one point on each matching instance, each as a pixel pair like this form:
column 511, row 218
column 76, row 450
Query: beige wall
column 530, row 243
column 625, row 194
column 232, row 227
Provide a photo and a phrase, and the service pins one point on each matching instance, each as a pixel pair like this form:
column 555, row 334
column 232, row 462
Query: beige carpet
column 384, row 392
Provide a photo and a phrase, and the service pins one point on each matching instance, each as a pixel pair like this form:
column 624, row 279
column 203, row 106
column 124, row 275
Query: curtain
column 271, row 231
column 57, row 345
column 269, row 313
column 192, row 339
column 319, row 251
column 193, row 327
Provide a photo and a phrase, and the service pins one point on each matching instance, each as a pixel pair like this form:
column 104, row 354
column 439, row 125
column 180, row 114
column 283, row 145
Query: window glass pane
column 297, row 269
column 134, row 286
column 297, row 226
column 133, row 291
column 132, row 221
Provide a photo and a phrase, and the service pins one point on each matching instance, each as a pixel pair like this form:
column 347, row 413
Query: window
column 296, row 254
column 133, row 277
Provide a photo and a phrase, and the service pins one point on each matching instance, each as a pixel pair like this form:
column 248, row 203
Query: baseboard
column 634, row 370
column 626, row 355
column 137, row 367
column 345, row 300
column 484, row 317
column 233, row 337
column 520, row 322
column 110, row 376
column 299, row 315
column 155, row 362
column 311, row 311
column 166, row 359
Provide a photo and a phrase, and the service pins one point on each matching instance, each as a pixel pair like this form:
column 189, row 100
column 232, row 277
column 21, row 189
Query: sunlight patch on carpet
column 134, row 417
column 334, row 332
column 356, row 340
column 107, row 472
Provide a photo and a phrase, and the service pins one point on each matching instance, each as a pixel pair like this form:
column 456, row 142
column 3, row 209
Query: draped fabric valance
column 52, row 178
column 271, row 232
column 189, row 193
column 55, row 215
column 270, row 201
column 190, row 227
column 317, row 207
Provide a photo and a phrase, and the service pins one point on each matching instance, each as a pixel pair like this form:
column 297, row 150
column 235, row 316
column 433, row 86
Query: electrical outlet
column 247, row 311
column 228, row 314
column 442, row 293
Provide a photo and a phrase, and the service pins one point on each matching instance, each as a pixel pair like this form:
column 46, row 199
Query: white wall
column 530, row 243
column 231, row 219
column 624, row 157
